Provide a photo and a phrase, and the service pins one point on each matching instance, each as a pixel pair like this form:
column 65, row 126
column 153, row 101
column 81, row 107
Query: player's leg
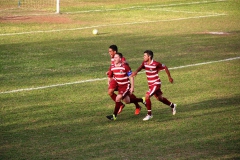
column 112, row 94
column 164, row 100
column 111, row 88
column 135, row 100
column 148, row 102
column 116, row 109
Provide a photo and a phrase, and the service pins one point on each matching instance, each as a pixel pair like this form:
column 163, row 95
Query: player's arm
column 108, row 70
column 169, row 75
column 163, row 67
column 138, row 70
column 131, row 78
column 124, row 61
column 132, row 84
column 110, row 75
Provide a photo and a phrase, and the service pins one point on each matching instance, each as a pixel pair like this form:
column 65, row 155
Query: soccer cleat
column 137, row 111
column 148, row 117
column 174, row 109
column 144, row 101
column 112, row 117
column 121, row 108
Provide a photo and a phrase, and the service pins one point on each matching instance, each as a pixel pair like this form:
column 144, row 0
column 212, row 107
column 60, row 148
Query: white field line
column 140, row 7
column 100, row 79
column 108, row 25
column 177, row 11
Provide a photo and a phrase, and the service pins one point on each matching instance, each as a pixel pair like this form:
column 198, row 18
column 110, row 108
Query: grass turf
column 68, row 122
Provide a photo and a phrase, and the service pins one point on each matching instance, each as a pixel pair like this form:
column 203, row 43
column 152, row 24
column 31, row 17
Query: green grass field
column 53, row 87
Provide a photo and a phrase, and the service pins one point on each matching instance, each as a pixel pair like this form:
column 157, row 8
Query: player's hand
column 109, row 80
column 107, row 73
column 170, row 80
column 133, row 74
column 131, row 90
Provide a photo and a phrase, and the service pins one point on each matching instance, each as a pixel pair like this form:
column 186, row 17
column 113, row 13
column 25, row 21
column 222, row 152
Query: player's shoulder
column 124, row 60
column 125, row 64
column 156, row 62
column 112, row 65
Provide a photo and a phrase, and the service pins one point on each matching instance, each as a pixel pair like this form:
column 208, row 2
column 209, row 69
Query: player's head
column 114, row 47
column 118, row 58
column 148, row 55
column 119, row 54
column 112, row 50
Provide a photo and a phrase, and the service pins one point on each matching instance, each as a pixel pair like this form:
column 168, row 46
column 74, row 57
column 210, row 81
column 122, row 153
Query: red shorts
column 124, row 90
column 113, row 85
column 154, row 90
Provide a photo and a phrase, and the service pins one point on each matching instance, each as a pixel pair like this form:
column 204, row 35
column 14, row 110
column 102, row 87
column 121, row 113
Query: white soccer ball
column 95, row 31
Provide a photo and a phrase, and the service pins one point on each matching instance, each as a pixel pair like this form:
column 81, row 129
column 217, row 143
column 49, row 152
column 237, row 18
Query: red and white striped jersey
column 120, row 73
column 152, row 70
column 112, row 63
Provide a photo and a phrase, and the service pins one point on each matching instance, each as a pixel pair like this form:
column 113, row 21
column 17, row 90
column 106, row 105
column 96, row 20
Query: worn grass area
column 68, row 121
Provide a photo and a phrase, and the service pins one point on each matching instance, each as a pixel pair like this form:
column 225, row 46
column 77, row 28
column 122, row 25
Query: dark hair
column 120, row 54
column 114, row 47
column 149, row 53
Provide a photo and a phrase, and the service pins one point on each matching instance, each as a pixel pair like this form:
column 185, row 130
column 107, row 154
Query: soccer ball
column 95, row 31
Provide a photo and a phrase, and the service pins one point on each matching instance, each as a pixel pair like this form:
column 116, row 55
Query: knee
column 118, row 98
column 110, row 92
column 147, row 96
column 160, row 98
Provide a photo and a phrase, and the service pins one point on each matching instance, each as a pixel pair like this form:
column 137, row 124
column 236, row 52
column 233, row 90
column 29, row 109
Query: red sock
column 117, row 106
column 113, row 96
column 135, row 100
column 149, row 106
column 166, row 101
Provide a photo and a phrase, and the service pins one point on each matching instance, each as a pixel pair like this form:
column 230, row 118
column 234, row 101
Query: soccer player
column 152, row 68
column 113, row 49
column 120, row 73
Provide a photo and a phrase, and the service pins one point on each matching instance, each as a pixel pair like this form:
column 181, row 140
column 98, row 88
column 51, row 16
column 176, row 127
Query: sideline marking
column 108, row 25
column 100, row 79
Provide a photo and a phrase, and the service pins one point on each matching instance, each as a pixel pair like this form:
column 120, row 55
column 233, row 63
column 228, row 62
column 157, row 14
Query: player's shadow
column 208, row 107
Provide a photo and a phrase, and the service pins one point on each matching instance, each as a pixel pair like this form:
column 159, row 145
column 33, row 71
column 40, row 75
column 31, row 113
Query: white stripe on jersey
column 153, row 76
column 147, row 71
column 154, row 81
column 121, row 83
column 118, row 68
column 148, row 66
column 120, row 73
column 121, row 78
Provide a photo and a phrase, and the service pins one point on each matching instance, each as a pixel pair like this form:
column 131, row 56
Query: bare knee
column 160, row 98
column 110, row 92
column 126, row 100
column 119, row 98
column 147, row 96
